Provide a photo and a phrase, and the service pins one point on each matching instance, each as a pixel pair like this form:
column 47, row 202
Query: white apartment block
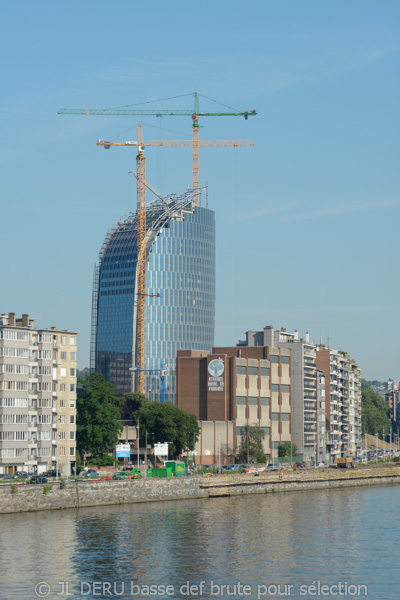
column 343, row 401
column 37, row 397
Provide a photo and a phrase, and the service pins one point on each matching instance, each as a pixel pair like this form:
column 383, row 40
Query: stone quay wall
column 27, row 498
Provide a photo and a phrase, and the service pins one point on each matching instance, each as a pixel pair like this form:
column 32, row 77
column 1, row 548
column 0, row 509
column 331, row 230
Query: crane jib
column 154, row 113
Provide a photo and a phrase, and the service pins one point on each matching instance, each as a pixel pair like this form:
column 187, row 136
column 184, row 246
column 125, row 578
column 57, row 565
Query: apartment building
column 343, row 401
column 304, row 383
column 234, row 387
column 37, row 396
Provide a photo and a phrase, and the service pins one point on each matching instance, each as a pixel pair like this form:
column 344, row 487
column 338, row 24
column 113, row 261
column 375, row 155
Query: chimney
column 307, row 337
column 296, row 335
column 11, row 319
column 25, row 321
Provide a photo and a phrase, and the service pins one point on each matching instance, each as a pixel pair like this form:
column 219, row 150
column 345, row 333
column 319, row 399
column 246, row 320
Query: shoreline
column 29, row 498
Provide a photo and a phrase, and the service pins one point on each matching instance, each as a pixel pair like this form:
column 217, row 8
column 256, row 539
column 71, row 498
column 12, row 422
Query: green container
column 178, row 468
column 159, row 473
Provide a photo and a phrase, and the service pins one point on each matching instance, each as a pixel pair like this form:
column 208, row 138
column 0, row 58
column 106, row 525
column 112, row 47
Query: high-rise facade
column 180, row 241
column 37, row 396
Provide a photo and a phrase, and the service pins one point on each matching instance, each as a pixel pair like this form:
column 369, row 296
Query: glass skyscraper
column 180, row 268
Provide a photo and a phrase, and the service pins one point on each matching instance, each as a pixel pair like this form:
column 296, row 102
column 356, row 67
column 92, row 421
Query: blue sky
column 307, row 219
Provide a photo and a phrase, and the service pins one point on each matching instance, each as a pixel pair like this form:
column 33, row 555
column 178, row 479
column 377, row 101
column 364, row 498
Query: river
column 263, row 546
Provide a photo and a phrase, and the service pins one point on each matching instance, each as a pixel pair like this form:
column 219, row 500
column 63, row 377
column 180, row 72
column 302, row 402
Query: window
column 240, row 400
column 240, row 370
column 63, row 372
column 63, row 339
column 285, row 360
column 72, row 341
column 264, row 401
column 274, row 387
column 63, row 387
column 274, row 358
column 239, row 430
column 253, row 401
column 285, row 416
column 264, row 371
column 266, row 430
column 63, row 355
column 72, row 451
column 62, row 403
column 72, row 387
column 253, row 370
column 72, row 419
column 72, row 404
column 72, row 356
column 63, row 420
column 72, row 435
column 275, row 416
column 72, row 372
column 285, row 389
column 63, row 435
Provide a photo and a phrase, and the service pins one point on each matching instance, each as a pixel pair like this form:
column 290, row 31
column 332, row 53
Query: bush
column 62, row 484
column 14, row 488
column 46, row 489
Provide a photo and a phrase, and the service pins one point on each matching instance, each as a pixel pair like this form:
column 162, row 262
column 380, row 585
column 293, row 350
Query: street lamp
column 376, row 448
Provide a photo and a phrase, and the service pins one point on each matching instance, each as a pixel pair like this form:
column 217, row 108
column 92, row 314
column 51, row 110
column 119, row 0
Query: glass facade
column 181, row 268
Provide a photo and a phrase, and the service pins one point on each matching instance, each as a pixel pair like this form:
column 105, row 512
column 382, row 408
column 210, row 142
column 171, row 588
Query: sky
column 307, row 218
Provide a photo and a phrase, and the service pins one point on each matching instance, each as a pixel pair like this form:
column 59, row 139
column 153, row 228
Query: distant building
column 37, row 396
column 231, row 388
column 180, row 242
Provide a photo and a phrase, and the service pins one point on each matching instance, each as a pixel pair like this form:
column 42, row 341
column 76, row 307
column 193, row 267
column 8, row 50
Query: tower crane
column 195, row 114
column 141, row 196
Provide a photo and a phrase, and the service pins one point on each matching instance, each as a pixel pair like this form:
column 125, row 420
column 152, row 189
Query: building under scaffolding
column 180, row 243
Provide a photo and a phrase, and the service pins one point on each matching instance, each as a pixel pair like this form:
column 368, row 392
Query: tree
column 97, row 417
column 132, row 402
column 251, row 447
column 288, row 449
column 165, row 422
column 374, row 413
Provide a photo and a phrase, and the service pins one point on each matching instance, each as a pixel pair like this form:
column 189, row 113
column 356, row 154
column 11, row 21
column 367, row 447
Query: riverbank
column 27, row 498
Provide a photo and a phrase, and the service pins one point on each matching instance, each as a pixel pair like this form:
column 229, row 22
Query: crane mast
column 141, row 265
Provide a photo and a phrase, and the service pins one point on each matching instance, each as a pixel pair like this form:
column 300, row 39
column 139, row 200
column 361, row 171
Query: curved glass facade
column 181, row 268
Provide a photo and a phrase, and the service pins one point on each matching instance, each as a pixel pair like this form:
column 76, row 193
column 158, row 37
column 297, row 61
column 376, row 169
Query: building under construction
column 180, row 298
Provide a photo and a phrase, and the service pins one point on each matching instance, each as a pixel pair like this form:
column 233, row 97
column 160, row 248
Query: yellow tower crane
column 141, row 235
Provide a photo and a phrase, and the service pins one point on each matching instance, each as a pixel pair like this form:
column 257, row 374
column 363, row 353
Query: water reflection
column 331, row 536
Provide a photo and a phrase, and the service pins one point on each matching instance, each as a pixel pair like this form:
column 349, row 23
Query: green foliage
column 132, row 403
column 63, row 484
column 251, row 446
column 375, row 413
column 46, row 489
column 14, row 489
column 98, row 414
column 288, row 449
column 100, row 461
column 366, row 385
column 165, row 422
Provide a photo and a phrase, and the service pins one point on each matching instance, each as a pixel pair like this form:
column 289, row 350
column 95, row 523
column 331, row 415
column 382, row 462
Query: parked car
column 90, row 473
column 38, row 479
column 300, row 465
column 320, row 463
column 6, row 477
column 52, row 473
column 20, row 475
column 272, row 466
